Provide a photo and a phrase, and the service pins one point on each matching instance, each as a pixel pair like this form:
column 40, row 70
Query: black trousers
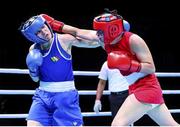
column 116, row 99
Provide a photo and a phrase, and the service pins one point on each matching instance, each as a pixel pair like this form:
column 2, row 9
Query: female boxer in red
column 129, row 53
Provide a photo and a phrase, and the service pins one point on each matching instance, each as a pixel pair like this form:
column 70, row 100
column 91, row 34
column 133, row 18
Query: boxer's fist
column 121, row 61
column 34, row 59
column 55, row 25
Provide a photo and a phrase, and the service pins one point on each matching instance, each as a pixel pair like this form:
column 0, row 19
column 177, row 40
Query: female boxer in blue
column 56, row 100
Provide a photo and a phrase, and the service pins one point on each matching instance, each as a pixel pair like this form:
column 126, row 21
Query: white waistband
column 57, row 86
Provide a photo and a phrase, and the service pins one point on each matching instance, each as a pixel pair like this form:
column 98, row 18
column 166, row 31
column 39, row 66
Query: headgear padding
column 31, row 27
column 111, row 25
column 126, row 25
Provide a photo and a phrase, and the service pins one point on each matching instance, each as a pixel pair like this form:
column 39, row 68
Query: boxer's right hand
column 34, row 59
column 97, row 106
column 55, row 25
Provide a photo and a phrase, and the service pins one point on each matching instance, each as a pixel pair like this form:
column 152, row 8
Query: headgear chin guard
column 110, row 24
column 30, row 28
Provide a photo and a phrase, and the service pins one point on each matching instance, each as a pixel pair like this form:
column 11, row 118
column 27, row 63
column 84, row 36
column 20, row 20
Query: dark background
column 157, row 23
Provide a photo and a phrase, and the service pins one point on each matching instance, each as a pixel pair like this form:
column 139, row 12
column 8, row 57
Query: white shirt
column 116, row 81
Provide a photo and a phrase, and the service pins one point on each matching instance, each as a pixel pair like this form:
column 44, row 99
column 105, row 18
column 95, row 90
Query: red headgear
column 111, row 25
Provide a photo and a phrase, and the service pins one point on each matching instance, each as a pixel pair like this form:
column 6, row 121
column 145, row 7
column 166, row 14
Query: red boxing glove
column 121, row 61
column 55, row 25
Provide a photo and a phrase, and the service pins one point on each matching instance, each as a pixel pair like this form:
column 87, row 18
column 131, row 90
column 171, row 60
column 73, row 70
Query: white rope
column 86, row 73
column 82, row 73
column 14, row 71
column 84, row 114
column 171, row 91
column 17, row 92
column 81, row 92
column 167, row 74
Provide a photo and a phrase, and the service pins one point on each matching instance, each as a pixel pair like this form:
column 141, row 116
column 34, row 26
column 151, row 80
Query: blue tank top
column 57, row 64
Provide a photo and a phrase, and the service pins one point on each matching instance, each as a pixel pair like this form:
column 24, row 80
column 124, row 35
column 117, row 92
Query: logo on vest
column 54, row 58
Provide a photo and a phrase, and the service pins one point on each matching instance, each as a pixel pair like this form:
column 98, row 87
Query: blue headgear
column 32, row 26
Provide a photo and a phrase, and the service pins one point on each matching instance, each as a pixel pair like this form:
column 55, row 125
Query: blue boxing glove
column 34, row 59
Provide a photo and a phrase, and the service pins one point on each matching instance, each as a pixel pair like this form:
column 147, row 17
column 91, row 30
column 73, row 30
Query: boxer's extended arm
column 82, row 43
column 59, row 26
column 70, row 40
column 81, row 33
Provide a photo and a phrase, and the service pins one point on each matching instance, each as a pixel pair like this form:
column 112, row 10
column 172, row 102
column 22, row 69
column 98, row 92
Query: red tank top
column 147, row 89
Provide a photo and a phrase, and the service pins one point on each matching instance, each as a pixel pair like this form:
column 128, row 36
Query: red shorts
column 147, row 90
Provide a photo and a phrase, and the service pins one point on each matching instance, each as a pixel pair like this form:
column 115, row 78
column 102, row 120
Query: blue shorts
column 56, row 108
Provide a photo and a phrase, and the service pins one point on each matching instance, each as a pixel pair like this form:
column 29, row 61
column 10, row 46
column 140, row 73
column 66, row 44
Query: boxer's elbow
column 147, row 68
column 152, row 70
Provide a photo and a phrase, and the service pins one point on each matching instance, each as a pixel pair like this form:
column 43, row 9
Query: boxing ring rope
column 81, row 92
column 82, row 73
